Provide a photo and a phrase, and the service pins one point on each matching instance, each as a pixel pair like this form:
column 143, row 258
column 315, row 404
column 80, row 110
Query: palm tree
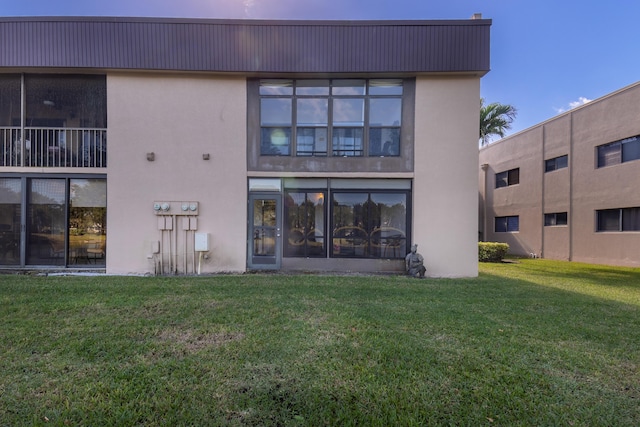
column 495, row 119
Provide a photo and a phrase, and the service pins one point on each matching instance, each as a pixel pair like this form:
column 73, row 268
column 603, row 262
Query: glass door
column 10, row 220
column 264, row 244
column 46, row 222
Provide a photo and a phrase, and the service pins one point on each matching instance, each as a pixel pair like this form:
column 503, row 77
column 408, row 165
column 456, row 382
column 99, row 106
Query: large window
column 625, row 219
column 65, row 222
column 61, row 123
column 507, row 178
column 305, row 224
column 322, row 117
column 507, row 224
column 556, row 163
column 369, row 224
column 618, row 152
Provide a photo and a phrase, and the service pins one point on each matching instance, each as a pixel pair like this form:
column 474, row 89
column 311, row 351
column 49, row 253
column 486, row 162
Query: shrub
column 492, row 251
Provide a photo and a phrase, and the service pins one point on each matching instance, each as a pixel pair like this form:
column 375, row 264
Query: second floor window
column 339, row 117
column 619, row 152
column 556, row 163
column 554, row 219
column 507, row 178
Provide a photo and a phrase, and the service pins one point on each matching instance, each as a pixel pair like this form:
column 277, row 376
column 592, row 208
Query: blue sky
column 547, row 56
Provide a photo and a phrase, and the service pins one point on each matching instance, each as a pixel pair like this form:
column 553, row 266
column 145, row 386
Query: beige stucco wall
column 611, row 119
column 445, row 221
column 581, row 189
column 179, row 118
column 523, row 199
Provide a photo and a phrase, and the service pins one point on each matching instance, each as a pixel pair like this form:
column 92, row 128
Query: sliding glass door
column 10, row 220
column 46, row 222
column 53, row 221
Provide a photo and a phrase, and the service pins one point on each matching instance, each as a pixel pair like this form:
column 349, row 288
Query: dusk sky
column 547, row 56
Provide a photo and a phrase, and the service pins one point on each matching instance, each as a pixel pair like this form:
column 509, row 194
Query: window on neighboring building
column 625, row 219
column 339, row 117
column 558, row 218
column 618, row 152
column 507, row 178
column 556, row 163
column 505, row 224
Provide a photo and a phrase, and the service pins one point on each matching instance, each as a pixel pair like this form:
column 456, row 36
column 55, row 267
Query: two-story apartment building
column 568, row 188
column 181, row 146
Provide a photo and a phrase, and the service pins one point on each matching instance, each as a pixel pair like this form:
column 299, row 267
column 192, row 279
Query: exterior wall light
column 151, row 156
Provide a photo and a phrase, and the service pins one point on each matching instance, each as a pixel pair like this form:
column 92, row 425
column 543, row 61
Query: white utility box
column 202, row 242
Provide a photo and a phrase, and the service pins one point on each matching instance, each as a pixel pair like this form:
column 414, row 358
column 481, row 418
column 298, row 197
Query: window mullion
column 294, row 121
column 365, row 132
column 330, row 121
column 620, row 220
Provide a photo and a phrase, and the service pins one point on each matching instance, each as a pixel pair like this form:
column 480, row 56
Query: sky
column 547, row 56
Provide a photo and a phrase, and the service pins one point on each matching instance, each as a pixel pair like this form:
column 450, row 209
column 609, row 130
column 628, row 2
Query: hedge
column 492, row 251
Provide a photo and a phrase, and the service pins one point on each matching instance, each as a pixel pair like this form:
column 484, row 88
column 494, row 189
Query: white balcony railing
column 53, row 147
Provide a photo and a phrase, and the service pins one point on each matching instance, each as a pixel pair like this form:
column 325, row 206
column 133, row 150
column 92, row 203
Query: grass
column 532, row 343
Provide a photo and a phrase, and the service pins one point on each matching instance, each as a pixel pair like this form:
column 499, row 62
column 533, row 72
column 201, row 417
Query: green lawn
column 532, row 343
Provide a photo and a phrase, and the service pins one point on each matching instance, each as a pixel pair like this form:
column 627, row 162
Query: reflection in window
column 264, row 227
column 507, row 178
column 360, row 117
column 554, row 219
column 275, row 121
column 618, row 152
column 65, row 222
column 275, row 141
column 369, row 224
column 304, row 224
column 10, row 220
column 312, row 121
column 87, row 221
column 312, row 142
column 625, row 219
column 312, row 87
column 384, row 126
column 347, row 142
column 46, row 222
column 348, row 87
column 507, row 224
column 556, row 163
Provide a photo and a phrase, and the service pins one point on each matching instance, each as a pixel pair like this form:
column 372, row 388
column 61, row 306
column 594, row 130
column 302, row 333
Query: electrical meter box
column 202, row 242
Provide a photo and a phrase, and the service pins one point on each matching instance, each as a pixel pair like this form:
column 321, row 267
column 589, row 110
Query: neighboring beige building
column 180, row 146
column 567, row 188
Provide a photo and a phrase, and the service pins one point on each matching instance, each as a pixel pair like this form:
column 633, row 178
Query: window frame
column 556, row 219
column 619, row 216
column 67, row 252
column 339, row 92
column 404, row 241
column 613, row 153
column 508, row 178
column 307, row 251
column 556, row 163
column 508, row 224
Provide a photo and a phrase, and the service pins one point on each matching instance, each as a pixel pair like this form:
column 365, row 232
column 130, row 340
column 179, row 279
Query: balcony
column 45, row 147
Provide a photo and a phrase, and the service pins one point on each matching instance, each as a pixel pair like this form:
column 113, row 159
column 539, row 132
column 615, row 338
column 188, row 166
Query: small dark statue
column 414, row 263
